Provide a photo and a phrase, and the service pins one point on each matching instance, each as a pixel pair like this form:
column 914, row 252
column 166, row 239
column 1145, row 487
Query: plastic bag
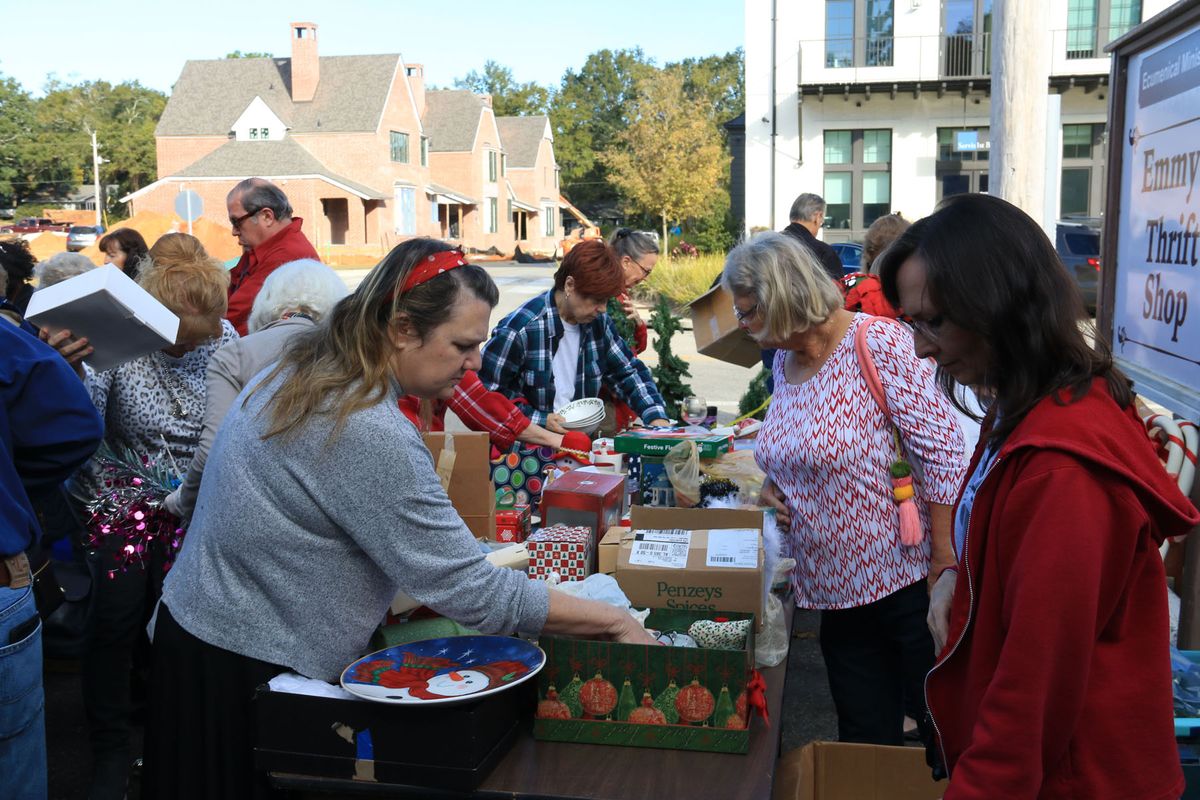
column 740, row 467
column 682, row 465
column 771, row 646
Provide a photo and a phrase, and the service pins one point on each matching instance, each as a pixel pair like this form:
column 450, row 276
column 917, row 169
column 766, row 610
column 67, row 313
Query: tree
column 718, row 82
column 671, row 369
column 240, row 54
column 18, row 173
column 509, row 98
column 588, row 112
column 669, row 161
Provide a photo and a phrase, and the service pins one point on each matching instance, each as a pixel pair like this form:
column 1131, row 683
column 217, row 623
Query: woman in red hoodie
column 1053, row 679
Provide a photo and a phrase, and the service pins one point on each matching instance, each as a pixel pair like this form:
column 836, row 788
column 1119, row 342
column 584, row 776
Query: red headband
column 433, row 266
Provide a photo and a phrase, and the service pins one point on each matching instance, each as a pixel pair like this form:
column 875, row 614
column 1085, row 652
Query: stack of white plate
column 583, row 415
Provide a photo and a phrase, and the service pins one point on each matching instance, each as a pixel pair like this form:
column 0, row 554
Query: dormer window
column 254, row 133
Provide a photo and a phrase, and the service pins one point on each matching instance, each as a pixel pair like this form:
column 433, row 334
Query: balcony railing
column 1089, row 42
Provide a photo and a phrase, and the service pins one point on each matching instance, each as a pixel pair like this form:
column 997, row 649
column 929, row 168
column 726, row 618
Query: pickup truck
column 36, row 225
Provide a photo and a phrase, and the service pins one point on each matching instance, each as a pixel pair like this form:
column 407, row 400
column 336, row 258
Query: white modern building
column 883, row 105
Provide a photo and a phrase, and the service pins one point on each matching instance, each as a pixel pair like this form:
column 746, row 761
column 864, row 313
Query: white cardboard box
column 120, row 319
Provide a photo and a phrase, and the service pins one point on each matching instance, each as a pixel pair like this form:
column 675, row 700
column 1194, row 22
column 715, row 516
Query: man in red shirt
column 270, row 236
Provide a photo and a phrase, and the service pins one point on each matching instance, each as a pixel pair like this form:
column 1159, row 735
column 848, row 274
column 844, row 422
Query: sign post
column 189, row 207
column 1149, row 305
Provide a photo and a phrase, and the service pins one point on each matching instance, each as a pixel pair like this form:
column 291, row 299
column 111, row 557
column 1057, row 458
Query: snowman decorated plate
column 449, row 671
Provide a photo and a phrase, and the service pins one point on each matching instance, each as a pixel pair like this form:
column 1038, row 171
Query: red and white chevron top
column 828, row 447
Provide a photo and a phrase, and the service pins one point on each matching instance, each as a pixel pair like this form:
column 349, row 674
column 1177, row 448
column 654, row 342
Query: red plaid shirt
column 480, row 410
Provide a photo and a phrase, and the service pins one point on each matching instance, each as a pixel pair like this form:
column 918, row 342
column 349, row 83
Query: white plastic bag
column 771, row 646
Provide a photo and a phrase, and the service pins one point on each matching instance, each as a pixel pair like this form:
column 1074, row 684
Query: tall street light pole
column 96, row 161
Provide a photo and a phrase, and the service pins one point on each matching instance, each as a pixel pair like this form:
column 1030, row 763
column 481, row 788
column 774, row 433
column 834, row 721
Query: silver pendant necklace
column 171, row 383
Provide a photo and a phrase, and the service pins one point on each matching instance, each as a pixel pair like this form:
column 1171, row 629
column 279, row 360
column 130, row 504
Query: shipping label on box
column 718, row 333
column 657, row 442
column 561, row 549
column 696, row 559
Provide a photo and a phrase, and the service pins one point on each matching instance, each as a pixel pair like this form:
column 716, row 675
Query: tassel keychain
column 903, row 492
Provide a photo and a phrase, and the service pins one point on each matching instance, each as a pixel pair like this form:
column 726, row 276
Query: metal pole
column 96, row 176
column 188, row 199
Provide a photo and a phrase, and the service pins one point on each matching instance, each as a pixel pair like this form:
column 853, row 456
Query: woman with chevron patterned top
column 863, row 458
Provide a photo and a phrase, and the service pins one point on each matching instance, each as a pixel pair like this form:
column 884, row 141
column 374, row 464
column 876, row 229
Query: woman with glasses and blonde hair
column 831, row 454
column 320, row 502
column 153, row 407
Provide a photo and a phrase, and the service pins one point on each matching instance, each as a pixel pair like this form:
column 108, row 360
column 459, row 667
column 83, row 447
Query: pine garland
column 671, row 369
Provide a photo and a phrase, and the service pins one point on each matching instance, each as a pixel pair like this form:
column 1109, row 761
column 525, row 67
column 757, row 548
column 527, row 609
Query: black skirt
column 200, row 728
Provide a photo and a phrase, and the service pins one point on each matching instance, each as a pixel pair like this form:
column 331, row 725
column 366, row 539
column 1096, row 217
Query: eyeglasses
column 931, row 328
column 742, row 315
column 237, row 223
column 645, row 272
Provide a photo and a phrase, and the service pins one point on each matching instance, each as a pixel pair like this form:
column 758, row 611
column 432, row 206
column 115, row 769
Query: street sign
column 188, row 205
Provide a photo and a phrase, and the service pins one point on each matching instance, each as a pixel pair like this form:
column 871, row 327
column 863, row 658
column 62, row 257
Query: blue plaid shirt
column 517, row 362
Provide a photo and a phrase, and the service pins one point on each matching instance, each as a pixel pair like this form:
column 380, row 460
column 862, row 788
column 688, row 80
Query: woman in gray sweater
column 320, row 501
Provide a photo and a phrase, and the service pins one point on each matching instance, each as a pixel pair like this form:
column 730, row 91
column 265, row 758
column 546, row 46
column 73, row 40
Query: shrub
column 680, row 280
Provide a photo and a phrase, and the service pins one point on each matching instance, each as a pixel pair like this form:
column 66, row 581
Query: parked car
column 1078, row 244
column 851, row 255
column 36, row 225
column 81, row 236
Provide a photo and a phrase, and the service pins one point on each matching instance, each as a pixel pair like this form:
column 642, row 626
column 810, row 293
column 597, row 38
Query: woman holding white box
column 153, row 406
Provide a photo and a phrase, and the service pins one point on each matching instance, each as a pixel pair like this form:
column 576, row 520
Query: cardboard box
column 621, row 694
column 839, row 771
column 512, row 524
column 610, row 545
column 568, row 551
column 321, row 736
column 471, row 490
column 120, row 319
column 698, row 583
column 592, row 499
column 718, row 333
column 657, row 442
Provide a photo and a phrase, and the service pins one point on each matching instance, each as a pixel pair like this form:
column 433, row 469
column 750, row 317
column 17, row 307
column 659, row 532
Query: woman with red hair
column 562, row 346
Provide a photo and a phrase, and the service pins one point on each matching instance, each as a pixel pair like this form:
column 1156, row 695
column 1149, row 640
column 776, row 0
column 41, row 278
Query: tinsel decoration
column 665, row 703
column 129, row 505
column 626, row 702
column 646, row 713
column 552, row 707
column 570, row 696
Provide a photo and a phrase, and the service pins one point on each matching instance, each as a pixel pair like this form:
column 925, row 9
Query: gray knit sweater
column 297, row 547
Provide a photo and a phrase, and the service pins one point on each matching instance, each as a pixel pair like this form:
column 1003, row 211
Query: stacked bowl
column 583, row 415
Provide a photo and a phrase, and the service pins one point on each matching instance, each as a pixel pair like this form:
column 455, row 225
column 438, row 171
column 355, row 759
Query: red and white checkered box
column 564, row 549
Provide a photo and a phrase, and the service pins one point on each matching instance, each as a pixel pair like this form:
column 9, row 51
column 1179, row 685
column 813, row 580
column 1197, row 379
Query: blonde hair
column 344, row 364
column 182, row 276
column 882, row 232
column 793, row 291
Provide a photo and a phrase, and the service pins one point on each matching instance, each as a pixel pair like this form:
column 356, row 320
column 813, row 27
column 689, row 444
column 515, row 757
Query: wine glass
column 694, row 410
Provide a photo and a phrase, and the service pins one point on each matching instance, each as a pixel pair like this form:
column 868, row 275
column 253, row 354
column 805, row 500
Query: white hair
column 304, row 285
column 60, row 266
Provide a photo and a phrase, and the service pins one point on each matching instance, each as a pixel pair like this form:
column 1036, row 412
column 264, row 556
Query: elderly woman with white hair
column 293, row 298
column 830, row 452
column 60, row 267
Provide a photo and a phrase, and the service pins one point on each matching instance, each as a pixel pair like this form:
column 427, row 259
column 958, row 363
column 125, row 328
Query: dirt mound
column 214, row 236
column 47, row 244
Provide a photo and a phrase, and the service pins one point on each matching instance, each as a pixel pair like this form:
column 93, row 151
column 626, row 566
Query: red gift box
column 562, row 549
column 581, row 497
column 512, row 524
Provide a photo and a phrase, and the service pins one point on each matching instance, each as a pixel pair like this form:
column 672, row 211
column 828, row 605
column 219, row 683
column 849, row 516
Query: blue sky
column 149, row 41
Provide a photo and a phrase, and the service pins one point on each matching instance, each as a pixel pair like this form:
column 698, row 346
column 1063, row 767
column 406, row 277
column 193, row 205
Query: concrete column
column 1021, row 44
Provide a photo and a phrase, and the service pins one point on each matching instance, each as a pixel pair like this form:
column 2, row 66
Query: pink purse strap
column 866, row 363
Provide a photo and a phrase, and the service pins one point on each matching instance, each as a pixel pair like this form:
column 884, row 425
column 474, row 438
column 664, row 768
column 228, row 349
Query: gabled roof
column 521, row 137
column 210, row 95
column 281, row 159
column 452, row 119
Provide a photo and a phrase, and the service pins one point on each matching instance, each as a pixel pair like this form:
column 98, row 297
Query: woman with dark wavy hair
column 319, row 503
column 1052, row 679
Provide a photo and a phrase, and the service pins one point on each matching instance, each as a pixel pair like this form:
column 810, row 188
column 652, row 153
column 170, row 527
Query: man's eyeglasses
column 931, row 328
column 742, row 315
column 237, row 223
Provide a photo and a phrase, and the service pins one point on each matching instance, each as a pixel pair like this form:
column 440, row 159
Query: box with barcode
column 693, row 559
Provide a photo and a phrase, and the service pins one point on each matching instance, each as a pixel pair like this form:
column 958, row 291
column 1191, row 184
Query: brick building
column 366, row 156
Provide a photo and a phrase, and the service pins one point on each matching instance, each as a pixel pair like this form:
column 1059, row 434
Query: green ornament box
column 657, row 442
column 677, row 698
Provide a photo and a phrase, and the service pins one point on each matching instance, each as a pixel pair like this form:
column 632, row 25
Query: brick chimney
column 416, row 82
column 306, row 65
